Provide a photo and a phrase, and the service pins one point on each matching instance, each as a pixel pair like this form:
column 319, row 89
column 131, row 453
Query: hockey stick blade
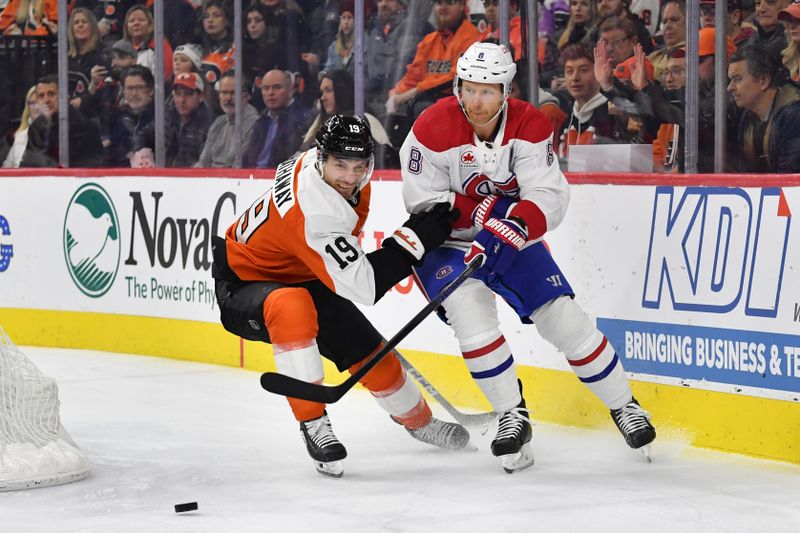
column 465, row 419
column 295, row 388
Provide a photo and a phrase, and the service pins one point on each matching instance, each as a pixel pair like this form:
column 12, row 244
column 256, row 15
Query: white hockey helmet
column 485, row 63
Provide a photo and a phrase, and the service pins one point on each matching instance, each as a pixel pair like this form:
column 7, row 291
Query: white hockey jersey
column 302, row 229
column 444, row 161
column 649, row 12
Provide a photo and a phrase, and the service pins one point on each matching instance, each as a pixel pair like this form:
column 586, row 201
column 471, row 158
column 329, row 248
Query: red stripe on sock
column 472, row 354
column 592, row 356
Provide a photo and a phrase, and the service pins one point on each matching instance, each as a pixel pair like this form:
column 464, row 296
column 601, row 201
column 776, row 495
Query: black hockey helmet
column 346, row 136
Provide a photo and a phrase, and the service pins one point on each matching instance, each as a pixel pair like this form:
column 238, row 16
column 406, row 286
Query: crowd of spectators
column 610, row 71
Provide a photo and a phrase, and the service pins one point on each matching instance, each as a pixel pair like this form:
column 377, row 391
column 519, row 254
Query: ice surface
column 160, row 432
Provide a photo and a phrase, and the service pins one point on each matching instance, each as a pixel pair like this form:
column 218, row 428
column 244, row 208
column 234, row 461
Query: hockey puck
column 185, row 507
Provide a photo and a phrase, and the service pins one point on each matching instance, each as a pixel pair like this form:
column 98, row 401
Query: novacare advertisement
column 142, row 246
column 694, row 286
column 119, row 245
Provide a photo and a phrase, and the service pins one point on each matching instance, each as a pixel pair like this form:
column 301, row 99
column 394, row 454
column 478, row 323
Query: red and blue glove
column 500, row 240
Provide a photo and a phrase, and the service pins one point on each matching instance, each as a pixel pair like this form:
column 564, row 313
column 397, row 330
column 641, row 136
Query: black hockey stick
column 295, row 388
column 465, row 419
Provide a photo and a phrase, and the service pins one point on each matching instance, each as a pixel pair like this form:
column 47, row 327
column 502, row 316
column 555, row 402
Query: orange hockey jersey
column 34, row 24
column 435, row 62
column 303, row 229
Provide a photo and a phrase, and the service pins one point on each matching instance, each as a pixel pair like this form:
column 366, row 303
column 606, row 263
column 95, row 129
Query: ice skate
column 513, row 440
column 634, row 424
column 445, row 435
column 324, row 448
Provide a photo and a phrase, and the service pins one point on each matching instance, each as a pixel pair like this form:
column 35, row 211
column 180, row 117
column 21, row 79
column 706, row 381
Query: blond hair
column 565, row 35
column 24, row 8
column 344, row 42
column 93, row 39
column 26, row 112
column 791, row 59
column 147, row 14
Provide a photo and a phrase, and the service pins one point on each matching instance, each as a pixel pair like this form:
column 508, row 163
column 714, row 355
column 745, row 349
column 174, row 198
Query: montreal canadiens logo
column 468, row 158
column 444, row 272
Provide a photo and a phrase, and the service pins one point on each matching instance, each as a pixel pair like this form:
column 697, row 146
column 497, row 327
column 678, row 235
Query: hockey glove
column 500, row 240
column 492, row 206
column 422, row 232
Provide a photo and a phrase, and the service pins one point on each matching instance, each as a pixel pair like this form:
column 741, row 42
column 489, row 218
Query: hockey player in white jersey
column 492, row 158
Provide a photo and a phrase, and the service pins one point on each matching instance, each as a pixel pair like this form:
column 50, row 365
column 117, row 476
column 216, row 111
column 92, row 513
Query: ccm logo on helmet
column 353, row 149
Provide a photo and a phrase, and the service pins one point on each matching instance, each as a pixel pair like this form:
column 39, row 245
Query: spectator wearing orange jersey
column 492, row 30
column 30, row 17
column 392, row 43
column 435, row 61
column 668, row 146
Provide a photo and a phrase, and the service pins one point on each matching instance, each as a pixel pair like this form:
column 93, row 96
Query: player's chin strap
column 502, row 108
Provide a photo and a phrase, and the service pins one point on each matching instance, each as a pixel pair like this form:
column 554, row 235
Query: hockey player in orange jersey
column 290, row 268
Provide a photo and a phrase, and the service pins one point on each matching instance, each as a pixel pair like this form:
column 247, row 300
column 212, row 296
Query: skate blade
column 518, row 461
column 645, row 451
column 332, row 469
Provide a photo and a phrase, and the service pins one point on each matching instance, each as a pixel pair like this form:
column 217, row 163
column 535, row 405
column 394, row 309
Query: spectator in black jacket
column 136, row 114
column 105, row 88
column 85, row 53
column 278, row 132
column 186, row 127
column 285, row 32
column 770, row 32
column 85, row 149
column 769, row 128
column 109, row 15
